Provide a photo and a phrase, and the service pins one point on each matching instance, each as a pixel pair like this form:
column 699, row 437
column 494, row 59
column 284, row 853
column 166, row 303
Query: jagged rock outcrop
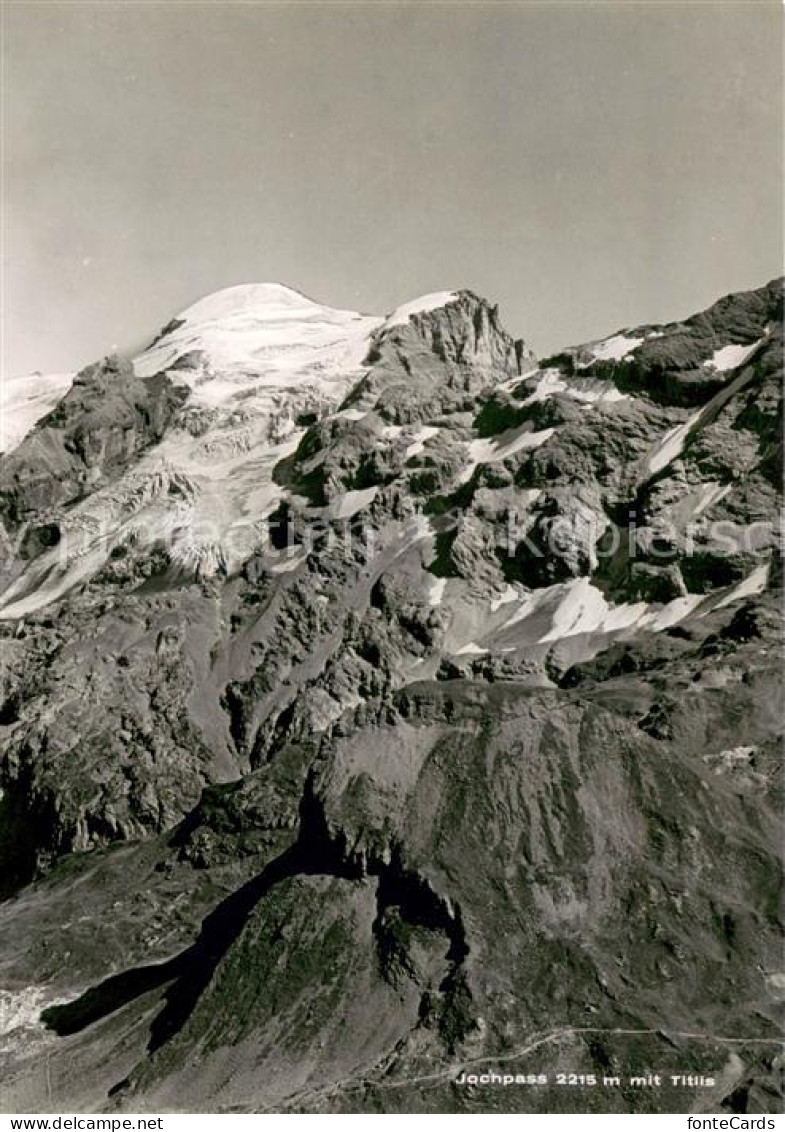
column 438, row 360
column 108, row 417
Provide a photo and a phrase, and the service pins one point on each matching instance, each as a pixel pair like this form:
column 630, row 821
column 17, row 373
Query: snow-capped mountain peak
column 248, row 298
column 256, row 360
column 265, row 334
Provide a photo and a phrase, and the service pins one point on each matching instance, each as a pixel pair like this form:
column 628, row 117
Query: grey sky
column 587, row 166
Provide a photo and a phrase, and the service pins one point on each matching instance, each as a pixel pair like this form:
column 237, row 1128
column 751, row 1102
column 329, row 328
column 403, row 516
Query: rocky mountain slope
column 381, row 704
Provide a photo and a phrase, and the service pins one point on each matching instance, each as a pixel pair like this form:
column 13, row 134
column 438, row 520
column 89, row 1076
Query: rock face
column 395, row 706
column 106, row 419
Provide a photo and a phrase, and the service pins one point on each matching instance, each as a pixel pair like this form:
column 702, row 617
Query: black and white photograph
column 391, row 655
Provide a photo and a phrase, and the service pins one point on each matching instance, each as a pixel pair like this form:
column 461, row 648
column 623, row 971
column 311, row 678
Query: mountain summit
column 393, row 703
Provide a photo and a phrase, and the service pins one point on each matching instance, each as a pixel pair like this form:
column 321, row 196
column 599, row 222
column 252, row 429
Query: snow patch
column 673, row 612
column 436, row 591
column 584, row 609
column 730, row 357
column 581, row 610
column 670, row 445
column 25, row 400
column 352, row 414
column 527, row 606
column 288, row 564
column 591, row 391
column 472, row 649
column 510, row 594
column 552, row 381
column 614, row 349
column 578, row 607
column 489, row 451
column 753, row 584
column 350, row 502
column 401, row 315
column 588, row 390
column 710, row 493
column 419, row 439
